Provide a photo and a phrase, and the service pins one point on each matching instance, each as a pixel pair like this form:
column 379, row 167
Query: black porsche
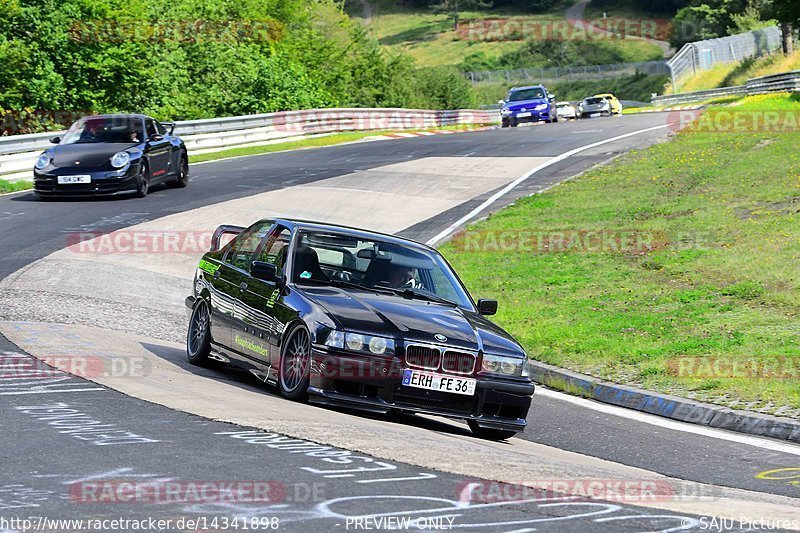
column 352, row 318
column 111, row 155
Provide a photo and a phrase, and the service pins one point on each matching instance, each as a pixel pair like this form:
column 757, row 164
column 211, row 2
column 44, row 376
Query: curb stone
column 674, row 407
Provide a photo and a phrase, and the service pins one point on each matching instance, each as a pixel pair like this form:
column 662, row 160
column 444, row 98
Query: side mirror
column 487, row 307
column 55, row 140
column 501, row 102
column 170, row 125
column 266, row 271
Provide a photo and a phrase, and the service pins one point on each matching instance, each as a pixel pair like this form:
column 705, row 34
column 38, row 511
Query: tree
column 787, row 12
column 453, row 8
column 697, row 23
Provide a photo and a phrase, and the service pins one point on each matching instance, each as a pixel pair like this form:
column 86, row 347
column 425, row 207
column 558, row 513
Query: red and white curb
column 425, row 133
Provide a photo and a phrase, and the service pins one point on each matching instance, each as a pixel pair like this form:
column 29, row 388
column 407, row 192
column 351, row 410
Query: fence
column 702, row 55
column 17, row 152
column 775, row 83
column 580, row 73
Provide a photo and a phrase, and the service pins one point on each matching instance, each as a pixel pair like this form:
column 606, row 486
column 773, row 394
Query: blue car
column 528, row 104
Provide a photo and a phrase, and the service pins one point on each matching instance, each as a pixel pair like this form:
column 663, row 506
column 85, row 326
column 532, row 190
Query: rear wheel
column 143, row 181
column 489, row 434
column 182, row 179
column 296, row 364
column 198, row 338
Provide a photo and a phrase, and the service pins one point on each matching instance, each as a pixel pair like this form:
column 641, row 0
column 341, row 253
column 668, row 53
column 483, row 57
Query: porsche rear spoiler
column 224, row 230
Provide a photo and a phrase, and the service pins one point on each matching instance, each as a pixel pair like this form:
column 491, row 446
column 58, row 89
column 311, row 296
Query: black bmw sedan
column 351, row 318
column 110, row 155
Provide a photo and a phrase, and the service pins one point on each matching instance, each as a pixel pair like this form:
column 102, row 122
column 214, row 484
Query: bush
column 186, row 59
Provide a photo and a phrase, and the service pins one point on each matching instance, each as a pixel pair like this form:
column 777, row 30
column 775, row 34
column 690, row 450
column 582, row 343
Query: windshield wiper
column 408, row 292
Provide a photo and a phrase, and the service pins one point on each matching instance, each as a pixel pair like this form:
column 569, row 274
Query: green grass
column 14, row 186
column 725, row 285
column 430, row 38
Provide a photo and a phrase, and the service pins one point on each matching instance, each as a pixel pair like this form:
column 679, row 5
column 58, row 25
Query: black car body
column 110, row 155
column 314, row 309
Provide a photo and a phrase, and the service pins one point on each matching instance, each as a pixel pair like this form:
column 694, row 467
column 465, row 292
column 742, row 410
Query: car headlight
column 120, row 159
column 42, row 161
column 505, row 111
column 357, row 342
column 506, row 366
column 540, row 107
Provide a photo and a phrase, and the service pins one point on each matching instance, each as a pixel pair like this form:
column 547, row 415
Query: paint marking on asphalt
column 505, row 190
column 667, row 423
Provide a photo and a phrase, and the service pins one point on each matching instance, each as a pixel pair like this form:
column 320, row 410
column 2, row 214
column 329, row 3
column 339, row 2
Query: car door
column 159, row 149
column 227, row 285
column 256, row 335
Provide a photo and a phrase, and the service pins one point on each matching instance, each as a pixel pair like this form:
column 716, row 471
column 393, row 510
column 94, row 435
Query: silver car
column 593, row 107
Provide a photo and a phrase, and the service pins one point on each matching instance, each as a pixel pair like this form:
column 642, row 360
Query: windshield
column 115, row 129
column 525, row 94
column 594, row 101
column 332, row 258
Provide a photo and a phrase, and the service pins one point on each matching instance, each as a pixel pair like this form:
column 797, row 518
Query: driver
column 401, row 276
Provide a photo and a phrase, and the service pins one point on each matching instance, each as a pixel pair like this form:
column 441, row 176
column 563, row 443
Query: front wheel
column 489, row 434
column 295, row 364
column 143, row 181
column 198, row 338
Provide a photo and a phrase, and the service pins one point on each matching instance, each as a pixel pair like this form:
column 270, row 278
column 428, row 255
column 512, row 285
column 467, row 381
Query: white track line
column 668, row 423
column 499, row 194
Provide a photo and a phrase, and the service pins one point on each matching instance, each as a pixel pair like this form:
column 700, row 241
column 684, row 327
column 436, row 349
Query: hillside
column 730, row 74
column 492, row 38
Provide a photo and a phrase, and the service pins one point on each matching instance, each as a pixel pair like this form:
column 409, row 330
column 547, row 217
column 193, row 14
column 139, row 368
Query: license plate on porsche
column 439, row 382
column 83, row 178
column 523, row 115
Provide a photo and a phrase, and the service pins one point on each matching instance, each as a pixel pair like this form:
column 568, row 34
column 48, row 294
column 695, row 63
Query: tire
column 489, row 434
column 504, row 123
column 513, row 123
column 143, row 181
column 182, row 179
column 198, row 337
column 295, row 364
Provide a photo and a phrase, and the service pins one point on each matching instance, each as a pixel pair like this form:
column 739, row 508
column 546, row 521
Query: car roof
column 300, row 224
column 527, row 87
column 119, row 115
column 603, row 95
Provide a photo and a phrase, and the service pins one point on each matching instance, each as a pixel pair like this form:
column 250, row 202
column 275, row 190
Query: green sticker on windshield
column 305, row 274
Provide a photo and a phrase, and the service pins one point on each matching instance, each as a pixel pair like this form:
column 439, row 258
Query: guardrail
column 17, row 152
column 774, row 83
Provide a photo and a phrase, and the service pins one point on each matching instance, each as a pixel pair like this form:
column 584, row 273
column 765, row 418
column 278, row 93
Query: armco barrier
column 17, row 152
column 774, row 83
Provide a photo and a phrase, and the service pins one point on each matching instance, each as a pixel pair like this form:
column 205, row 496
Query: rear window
column 594, row 101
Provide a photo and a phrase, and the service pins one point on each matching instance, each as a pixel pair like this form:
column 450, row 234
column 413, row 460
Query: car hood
column 527, row 104
column 412, row 320
column 88, row 155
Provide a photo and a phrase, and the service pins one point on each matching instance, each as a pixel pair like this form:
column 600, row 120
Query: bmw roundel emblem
column 439, row 337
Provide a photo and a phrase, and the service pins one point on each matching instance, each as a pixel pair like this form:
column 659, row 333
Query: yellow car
column 616, row 105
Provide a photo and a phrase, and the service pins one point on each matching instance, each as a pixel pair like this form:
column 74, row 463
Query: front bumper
column 104, row 182
column 534, row 116
column 374, row 384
